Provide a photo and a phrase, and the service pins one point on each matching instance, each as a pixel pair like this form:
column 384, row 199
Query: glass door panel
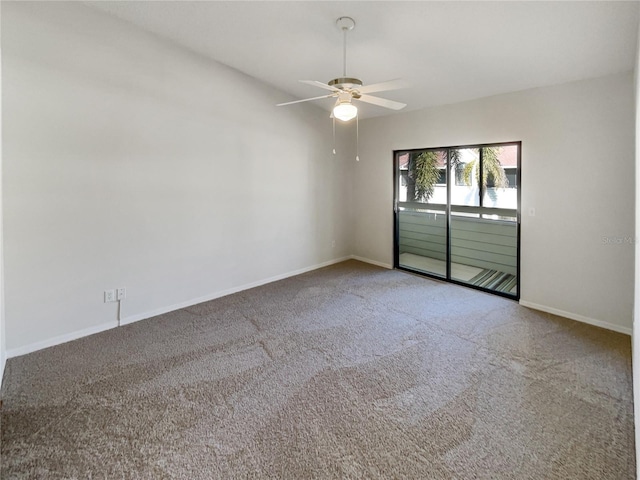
column 484, row 252
column 421, row 198
column 422, row 242
column 457, row 214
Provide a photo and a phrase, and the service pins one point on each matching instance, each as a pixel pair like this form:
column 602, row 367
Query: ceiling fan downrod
column 345, row 24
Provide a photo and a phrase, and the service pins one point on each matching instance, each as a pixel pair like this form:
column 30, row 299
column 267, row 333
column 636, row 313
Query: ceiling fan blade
column 384, row 86
column 382, row 102
column 315, row 83
column 305, row 100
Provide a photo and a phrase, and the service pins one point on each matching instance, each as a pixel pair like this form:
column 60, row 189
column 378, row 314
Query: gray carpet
column 348, row 372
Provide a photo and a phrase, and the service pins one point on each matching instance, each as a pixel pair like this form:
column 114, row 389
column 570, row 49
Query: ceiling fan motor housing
column 345, row 83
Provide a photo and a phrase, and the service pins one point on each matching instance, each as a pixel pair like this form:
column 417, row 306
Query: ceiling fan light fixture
column 345, row 111
column 346, row 89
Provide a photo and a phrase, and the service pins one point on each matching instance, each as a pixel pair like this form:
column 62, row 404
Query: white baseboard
column 15, row 352
column 577, row 317
column 170, row 308
column 224, row 293
column 67, row 337
column 372, row 262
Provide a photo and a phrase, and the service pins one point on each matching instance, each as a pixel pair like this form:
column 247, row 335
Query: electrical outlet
column 333, row 244
column 109, row 296
column 121, row 293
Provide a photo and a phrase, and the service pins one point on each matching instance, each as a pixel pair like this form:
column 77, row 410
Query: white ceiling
column 448, row 51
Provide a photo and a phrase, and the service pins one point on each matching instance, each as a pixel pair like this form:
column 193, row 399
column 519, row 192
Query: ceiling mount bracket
column 346, row 23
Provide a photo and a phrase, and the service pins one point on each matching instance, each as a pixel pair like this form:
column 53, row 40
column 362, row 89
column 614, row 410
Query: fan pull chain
column 334, row 135
column 357, row 136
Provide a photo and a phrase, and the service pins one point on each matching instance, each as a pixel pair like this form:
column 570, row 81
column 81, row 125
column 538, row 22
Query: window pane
column 403, row 175
column 465, row 168
column 500, row 166
column 422, row 176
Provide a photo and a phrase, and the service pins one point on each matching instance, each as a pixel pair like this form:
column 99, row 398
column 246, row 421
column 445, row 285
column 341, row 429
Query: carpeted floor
column 348, row 372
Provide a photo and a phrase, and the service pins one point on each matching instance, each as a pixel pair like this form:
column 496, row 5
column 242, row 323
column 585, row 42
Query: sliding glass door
column 457, row 214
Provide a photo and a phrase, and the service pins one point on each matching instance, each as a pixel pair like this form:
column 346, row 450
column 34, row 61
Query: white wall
column 577, row 164
column 3, row 337
column 130, row 162
column 636, row 310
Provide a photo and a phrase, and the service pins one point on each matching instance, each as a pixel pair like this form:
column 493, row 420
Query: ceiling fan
column 346, row 89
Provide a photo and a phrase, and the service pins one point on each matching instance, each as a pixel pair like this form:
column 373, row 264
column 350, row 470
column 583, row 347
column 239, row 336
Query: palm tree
column 491, row 168
column 423, row 175
column 424, row 171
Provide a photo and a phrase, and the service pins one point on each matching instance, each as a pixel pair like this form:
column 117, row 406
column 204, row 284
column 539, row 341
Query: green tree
column 454, row 158
column 423, row 175
column 424, row 171
column 491, row 168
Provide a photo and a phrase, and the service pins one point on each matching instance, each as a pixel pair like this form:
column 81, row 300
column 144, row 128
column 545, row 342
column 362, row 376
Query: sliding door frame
column 396, row 213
